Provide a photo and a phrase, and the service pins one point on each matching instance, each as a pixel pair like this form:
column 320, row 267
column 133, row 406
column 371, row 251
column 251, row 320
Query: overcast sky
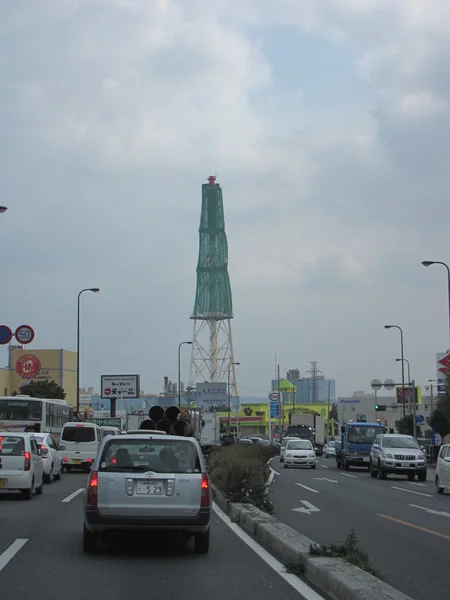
column 327, row 124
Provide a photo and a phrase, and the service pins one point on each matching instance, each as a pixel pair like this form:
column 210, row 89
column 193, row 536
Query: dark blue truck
column 356, row 443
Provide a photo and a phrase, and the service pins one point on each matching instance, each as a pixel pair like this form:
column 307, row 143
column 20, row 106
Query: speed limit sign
column 24, row 334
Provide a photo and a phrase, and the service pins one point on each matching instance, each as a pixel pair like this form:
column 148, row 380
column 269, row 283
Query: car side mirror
column 423, row 448
column 61, row 447
column 375, row 446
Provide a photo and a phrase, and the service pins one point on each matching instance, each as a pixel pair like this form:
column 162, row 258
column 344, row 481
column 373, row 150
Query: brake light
column 65, row 459
column 92, row 494
column 206, row 496
column 27, row 466
column 88, row 460
column 114, row 461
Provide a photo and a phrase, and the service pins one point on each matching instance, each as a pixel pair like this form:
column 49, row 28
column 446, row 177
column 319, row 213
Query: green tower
column 212, row 357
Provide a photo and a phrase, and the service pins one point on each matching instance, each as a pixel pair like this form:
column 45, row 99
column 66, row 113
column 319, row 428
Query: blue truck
column 356, row 443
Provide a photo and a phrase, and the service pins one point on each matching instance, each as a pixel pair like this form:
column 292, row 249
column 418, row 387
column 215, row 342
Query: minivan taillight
column 206, row 495
column 27, row 466
column 92, row 494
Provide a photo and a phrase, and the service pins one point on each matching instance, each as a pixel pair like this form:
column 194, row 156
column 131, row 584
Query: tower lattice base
column 212, row 353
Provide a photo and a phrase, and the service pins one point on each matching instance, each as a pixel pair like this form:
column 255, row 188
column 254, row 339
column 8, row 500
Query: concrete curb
column 332, row 576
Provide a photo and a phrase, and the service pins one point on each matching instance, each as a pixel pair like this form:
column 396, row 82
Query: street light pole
column 428, row 263
column 95, row 290
column 403, row 365
column 179, row 371
column 409, row 378
column 229, row 396
column 294, row 391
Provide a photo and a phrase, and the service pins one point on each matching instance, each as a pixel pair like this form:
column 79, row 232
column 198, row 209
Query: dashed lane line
column 10, row 552
column 307, row 488
column 394, row 487
column 73, row 495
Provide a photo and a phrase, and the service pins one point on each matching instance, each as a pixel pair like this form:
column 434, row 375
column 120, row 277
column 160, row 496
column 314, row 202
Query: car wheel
column 411, row 476
column 40, row 489
column 48, row 478
column 90, row 539
column 313, row 466
column 285, row 466
column 201, row 542
column 439, row 489
column 422, row 476
column 373, row 472
column 381, row 472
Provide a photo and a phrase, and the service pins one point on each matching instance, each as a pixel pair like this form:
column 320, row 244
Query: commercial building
column 26, row 365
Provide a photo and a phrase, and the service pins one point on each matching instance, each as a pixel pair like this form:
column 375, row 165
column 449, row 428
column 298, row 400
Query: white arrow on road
column 442, row 513
column 325, row 479
column 310, row 508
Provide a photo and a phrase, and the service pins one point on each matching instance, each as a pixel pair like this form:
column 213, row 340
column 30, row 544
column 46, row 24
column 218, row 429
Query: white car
column 51, row 458
column 300, row 453
column 283, row 445
column 442, row 478
column 330, row 449
column 21, row 467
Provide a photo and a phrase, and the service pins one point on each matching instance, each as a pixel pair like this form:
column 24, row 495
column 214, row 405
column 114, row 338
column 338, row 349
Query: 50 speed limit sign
column 24, row 334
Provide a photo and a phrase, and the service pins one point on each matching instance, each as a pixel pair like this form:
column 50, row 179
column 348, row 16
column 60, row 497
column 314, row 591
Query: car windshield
column 161, row 455
column 400, row 442
column 362, row 435
column 285, row 441
column 299, row 445
column 76, row 433
column 12, row 446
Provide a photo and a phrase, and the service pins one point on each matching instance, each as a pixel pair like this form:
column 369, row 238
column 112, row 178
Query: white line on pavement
column 431, row 511
column 418, row 484
column 308, row 488
column 324, row 466
column 411, row 491
column 307, row 509
column 325, row 479
column 72, row 496
column 299, row 586
column 10, row 552
column 348, row 475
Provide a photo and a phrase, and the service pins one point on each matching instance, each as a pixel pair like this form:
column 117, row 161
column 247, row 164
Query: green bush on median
column 241, row 473
column 350, row 551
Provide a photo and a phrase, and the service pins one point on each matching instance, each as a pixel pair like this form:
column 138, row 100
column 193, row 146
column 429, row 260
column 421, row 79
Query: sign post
column 119, row 386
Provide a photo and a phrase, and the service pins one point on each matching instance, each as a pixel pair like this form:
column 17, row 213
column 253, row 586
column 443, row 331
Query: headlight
column 421, row 457
column 288, row 454
column 312, row 455
column 387, row 455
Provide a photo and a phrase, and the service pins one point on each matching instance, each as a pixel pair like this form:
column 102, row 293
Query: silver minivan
column 148, row 482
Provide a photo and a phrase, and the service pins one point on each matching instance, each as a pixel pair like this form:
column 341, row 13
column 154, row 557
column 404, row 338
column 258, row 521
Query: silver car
column 399, row 454
column 148, row 482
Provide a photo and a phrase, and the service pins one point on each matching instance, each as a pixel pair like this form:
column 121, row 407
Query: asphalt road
column 408, row 545
column 49, row 564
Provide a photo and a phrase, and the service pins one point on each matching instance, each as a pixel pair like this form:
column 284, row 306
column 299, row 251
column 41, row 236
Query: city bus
column 38, row 415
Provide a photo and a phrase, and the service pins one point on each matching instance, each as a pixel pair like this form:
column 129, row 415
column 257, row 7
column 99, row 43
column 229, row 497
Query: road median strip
column 332, row 576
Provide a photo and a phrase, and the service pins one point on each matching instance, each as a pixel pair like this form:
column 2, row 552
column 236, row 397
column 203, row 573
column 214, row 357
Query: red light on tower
column 212, row 179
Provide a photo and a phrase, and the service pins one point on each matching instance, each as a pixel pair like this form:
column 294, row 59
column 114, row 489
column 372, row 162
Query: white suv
column 442, row 479
column 21, row 465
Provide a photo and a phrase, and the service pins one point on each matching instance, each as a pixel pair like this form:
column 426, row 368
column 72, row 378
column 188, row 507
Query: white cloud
column 116, row 111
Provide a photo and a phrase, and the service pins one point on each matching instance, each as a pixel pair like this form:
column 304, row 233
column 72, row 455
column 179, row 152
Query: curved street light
column 428, row 263
column 403, row 364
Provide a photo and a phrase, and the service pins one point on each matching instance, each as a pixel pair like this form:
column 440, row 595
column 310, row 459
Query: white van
column 107, row 430
column 79, row 444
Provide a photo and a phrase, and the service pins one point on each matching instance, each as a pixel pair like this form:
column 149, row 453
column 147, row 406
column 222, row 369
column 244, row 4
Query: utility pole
column 280, row 409
column 413, row 385
column 328, row 412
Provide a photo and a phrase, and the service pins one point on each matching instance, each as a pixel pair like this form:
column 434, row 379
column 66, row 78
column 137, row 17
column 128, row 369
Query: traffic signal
column 380, row 407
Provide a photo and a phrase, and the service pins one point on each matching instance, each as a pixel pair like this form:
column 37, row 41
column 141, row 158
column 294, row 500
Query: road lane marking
column 348, row 475
column 325, row 479
column 307, row 509
column 413, row 526
column 442, row 513
column 307, row 488
column 299, row 586
column 394, row 487
column 418, row 484
column 325, row 466
column 10, row 552
column 73, row 495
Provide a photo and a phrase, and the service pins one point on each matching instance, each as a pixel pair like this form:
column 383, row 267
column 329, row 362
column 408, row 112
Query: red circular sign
column 24, row 334
column 28, row 366
column 107, row 391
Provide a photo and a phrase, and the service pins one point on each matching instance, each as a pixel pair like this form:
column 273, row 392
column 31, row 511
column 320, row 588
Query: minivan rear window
column 78, row 434
column 12, row 446
column 161, row 455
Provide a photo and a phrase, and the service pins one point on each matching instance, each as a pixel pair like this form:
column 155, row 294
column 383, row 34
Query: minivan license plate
column 149, row 487
column 3, row 482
